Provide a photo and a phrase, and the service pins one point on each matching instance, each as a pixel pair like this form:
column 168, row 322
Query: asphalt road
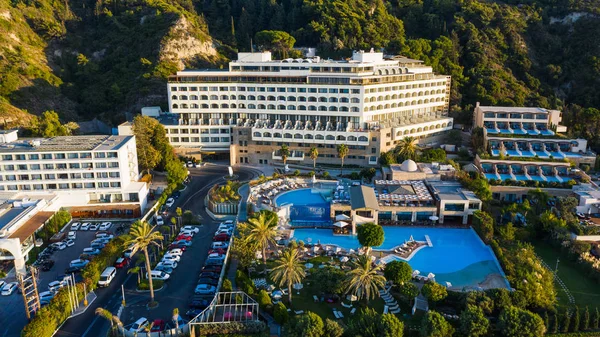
column 183, row 281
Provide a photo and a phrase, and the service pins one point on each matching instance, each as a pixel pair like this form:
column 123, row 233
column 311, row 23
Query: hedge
column 576, row 334
column 144, row 285
column 107, row 257
column 244, row 329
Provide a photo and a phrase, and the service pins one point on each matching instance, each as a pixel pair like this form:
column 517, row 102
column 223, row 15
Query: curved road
column 181, row 286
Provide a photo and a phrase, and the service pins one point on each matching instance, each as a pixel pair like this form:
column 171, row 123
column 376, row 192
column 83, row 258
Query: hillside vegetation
column 111, row 56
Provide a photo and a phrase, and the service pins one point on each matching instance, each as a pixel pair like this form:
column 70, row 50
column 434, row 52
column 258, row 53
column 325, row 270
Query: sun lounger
column 396, row 311
column 346, row 305
column 298, row 312
column 340, row 315
column 385, row 309
column 352, row 311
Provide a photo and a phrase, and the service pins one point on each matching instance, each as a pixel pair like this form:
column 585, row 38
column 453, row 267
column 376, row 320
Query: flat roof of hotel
column 513, row 109
column 66, row 143
column 11, row 214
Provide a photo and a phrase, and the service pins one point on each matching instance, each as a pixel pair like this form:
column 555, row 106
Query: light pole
column 556, row 268
column 123, row 294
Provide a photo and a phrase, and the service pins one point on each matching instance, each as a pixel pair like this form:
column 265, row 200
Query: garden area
column 227, row 193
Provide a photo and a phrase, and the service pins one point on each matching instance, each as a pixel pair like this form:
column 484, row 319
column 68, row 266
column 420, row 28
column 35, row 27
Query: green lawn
column 585, row 291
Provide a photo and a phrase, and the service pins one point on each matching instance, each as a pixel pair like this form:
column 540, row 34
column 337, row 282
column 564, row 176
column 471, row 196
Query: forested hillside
column 85, row 58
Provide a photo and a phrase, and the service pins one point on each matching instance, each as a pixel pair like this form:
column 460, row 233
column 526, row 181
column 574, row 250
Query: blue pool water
column 458, row 256
column 505, row 177
column 491, row 176
column 308, row 206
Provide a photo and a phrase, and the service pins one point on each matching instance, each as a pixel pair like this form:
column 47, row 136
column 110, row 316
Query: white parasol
column 415, row 273
column 340, row 224
column 308, row 265
column 431, row 276
column 298, row 286
column 344, row 259
column 341, row 217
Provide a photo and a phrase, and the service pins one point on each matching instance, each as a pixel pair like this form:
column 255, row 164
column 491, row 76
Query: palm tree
column 114, row 321
column 314, row 154
column 342, row 150
column 407, row 147
column 143, row 237
column 285, row 153
column 363, row 280
column 288, row 270
column 261, row 232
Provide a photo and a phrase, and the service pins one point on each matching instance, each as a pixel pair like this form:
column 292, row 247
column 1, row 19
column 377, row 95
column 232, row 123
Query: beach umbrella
column 327, row 248
column 316, row 248
column 373, row 258
column 433, row 218
column 340, row 224
column 338, row 249
column 431, row 276
column 344, row 259
column 448, row 284
column 415, row 273
column 298, row 286
column 351, row 251
column 277, row 294
column 308, row 265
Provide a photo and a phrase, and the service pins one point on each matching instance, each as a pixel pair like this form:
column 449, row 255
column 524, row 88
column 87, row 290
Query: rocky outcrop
column 185, row 43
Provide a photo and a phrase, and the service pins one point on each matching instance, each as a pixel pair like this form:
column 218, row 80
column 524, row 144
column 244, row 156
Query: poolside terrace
column 500, row 169
column 540, row 148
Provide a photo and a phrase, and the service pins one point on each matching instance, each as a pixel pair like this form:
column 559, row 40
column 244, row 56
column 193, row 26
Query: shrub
column 144, row 285
column 307, row 325
column 435, row 325
column 297, row 173
column 398, row 272
column 280, row 313
column 434, row 291
column 263, row 299
column 226, row 286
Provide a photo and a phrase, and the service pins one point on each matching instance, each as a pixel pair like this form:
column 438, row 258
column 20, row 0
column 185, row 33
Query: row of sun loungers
column 391, row 306
column 450, row 316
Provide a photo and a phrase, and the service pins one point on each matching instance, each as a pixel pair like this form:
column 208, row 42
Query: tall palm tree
column 363, row 280
column 407, row 147
column 342, row 150
column 288, row 270
column 114, row 321
column 261, row 232
column 144, row 236
column 285, row 153
column 314, row 154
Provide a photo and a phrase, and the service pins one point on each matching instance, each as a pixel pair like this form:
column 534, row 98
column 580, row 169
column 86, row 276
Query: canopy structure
column 342, row 217
column 340, row 224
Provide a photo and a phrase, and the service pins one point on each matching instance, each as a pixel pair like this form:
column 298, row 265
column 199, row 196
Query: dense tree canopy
column 370, row 235
column 515, row 322
column 398, row 272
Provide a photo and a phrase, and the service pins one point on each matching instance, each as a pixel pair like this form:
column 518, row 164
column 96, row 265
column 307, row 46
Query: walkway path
column 558, row 280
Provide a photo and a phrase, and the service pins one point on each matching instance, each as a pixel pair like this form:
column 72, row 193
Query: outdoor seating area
column 266, row 192
column 391, row 305
column 408, row 193
column 407, row 248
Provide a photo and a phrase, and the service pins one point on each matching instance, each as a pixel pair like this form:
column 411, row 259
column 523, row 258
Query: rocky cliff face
column 182, row 47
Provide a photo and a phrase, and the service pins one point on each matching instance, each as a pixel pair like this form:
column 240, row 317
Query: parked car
column 94, row 227
column 46, row 265
column 176, row 251
column 97, row 245
column 59, row 245
column 205, row 289
column 91, row 251
column 159, row 220
column 70, row 243
column 223, row 231
column 183, row 242
column 158, row 325
column 79, row 263
column 208, row 274
column 105, row 225
column 85, row 226
column 46, row 295
column 105, row 236
column 190, row 164
column 212, row 269
column 206, row 280
column 72, row 235
column 219, row 244
column 170, row 202
column 128, row 252
column 122, row 262
column 139, row 325
column 194, row 229
column 221, row 237
column 217, row 251
column 55, row 286
column 75, row 226
column 169, row 257
column 214, row 262
column 183, row 237
column 175, row 245
column 159, row 275
column 194, row 312
column 199, row 302
column 72, row 270
column 165, row 269
column 168, row 264
column 216, row 256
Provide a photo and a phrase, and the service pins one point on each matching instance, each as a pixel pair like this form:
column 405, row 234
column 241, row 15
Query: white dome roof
column 409, row 166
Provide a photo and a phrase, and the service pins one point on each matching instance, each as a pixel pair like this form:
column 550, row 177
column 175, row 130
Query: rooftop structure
column 410, row 170
column 366, row 102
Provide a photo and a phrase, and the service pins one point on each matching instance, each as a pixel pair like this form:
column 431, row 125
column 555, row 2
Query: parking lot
column 12, row 309
column 179, row 289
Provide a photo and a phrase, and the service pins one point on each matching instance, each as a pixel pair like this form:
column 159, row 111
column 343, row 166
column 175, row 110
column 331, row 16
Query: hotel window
column 35, row 167
column 103, row 185
column 86, row 165
column 63, row 176
column 102, row 175
column 51, row 186
column 76, row 185
column 34, row 157
column 49, row 176
column 75, row 175
column 47, row 156
column 111, row 155
column 115, row 184
column 59, row 156
column 63, row 186
column 20, row 157
column 73, row 155
column 301, row 89
column 114, row 174
column 22, row 167
column 61, row 166
column 100, row 165
column 11, row 177
column 38, row 187
column 74, row 166
column 99, row 155
column 89, row 185
column 88, row 176
column 356, row 91
column 7, row 157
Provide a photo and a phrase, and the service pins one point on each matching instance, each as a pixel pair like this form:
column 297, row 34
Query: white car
column 170, row 257
column 216, row 256
column 59, row 245
column 46, row 295
column 70, row 243
column 170, row 202
column 223, row 231
column 194, row 229
column 85, row 226
column 175, row 251
column 75, row 226
column 187, row 233
column 139, row 325
column 72, row 235
column 55, row 286
column 105, row 226
column 2, row 283
column 159, row 275
column 9, row 288
column 218, row 244
column 224, row 227
column 205, row 289
column 168, row 264
column 94, row 227
column 159, row 220
column 104, row 236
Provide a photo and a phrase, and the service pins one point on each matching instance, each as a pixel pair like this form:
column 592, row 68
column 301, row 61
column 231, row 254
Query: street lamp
column 556, row 268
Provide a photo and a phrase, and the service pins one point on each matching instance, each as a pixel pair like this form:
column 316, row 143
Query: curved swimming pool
column 458, row 256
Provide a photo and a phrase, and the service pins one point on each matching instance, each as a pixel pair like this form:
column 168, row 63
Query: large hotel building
column 249, row 110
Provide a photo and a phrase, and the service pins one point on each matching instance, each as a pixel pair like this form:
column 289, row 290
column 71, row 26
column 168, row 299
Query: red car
column 175, row 245
column 218, row 251
column 221, row 238
column 212, row 269
column 184, row 237
column 158, row 325
column 122, row 262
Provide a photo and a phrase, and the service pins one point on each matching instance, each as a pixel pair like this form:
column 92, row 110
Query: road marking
column 90, row 327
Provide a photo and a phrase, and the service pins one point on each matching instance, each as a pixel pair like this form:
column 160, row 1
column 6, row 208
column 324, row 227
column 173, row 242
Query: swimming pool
column 458, row 256
column 308, row 205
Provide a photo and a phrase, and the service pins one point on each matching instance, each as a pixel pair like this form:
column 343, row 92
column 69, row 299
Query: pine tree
column 576, row 320
column 585, row 323
column 596, row 320
column 555, row 323
column 566, row 322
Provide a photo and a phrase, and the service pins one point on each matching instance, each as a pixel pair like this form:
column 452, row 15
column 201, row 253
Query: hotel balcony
column 308, row 132
column 294, row 156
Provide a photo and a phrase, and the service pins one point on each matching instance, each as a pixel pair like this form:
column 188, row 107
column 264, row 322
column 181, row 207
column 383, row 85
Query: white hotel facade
column 249, row 110
column 85, row 172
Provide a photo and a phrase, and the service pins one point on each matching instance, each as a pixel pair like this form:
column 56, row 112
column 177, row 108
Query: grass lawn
column 585, row 291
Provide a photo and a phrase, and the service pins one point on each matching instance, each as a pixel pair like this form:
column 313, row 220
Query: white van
column 159, row 275
column 107, row 276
